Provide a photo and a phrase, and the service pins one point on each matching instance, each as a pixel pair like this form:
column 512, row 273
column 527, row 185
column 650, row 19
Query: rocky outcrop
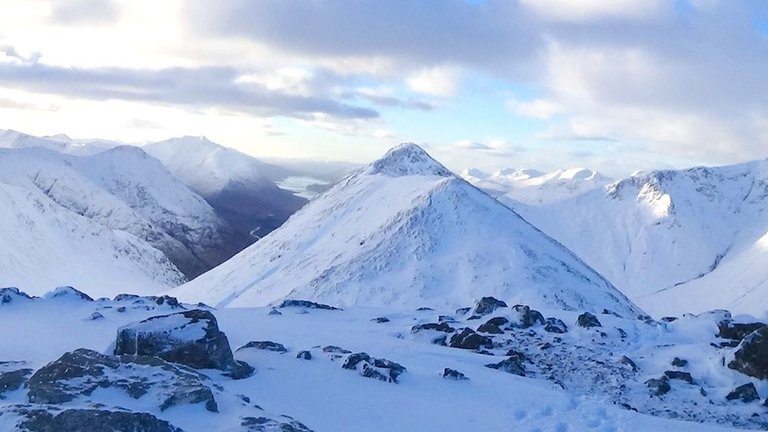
column 527, row 317
column 487, row 305
column 468, row 339
column 371, row 367
column 512, row 365
column 588, row 320
column 264, row 424
column 13, row 380
column 306, row 304
column 12, row 294
column 751, row 357
column 79, row 373
column 493, row 325
column 87, row 420
column 745, row 393
column 555, row 325
column 191, row 338
column 453, row 374
column 736, row 331
column 658, row 387
column 265, row 346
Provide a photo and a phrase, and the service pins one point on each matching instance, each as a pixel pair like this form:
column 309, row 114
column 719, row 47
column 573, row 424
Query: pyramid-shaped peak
column 408, row 159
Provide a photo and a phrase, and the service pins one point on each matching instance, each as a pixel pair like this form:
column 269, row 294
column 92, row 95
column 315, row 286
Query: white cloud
column 587, row 10
column 289, row 80
column 536, row 108
column 435, row 81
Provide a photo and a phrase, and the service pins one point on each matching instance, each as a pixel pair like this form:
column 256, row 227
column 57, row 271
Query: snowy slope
column 673, row 241
column 239, row 187
column 406, row 231
column 534, row 187
column 123, row 190
column 60, row 143
column 45, row 245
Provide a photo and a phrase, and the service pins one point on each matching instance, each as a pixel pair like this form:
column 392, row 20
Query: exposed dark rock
column 8, row 295
column 264, row 424
column 751, row 358
column 463, row 311
column 487, row 305
column 736, row 331
column 555, row 325
column 68, row 292
column 306, row 304
column 13, row 380
column 190, row 338
column 493, row 325
column 516, row 355
column 265, row 345
column 588, row 320
column 678, row 362
column 441, row 327
column 678, row 375
column 745, row 393
column 95, row 316
column 124, row 297
column 166, row 300
column 610, row 312
column 468, row 339
column 274, row 311
column 511, row 365
column 80, row 372
column 629, row 362
column 453, row 374
column 89, row 420
column 527, row 317
column 668, row 319
column 381, row 320
column 658, row 387
column 304, row 355
column 333, row 349
column 370, row 367
column 424, row 309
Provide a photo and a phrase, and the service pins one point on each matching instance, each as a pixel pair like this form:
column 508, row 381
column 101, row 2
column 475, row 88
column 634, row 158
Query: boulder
column 264, row 424
column 306, row 304
column 751, row 357
column 380, row 320
column 88, row 420
column 678, row 375
column 468, row 339
column 629, row 362
column 527, row 317
column 191, row 338
column 658, row 387
column 588, row 320
column 304, row 355
column 745, row 393
column 555, row 325
column 13, row 380
column 487, row 305
column 264, row 345
column 78, row 373
column 512, row 365
column 8, row 295
column 453, row 374
column 68, row 292
column 441, row 327
column 370, row 367
column 736, row 331
column 493, row 325
column 678, row 362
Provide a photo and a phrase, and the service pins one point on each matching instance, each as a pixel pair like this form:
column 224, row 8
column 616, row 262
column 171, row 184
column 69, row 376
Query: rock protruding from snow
column 13, row 294
column 83, row 419
column 190, row 338
column 376, row 368
column 68, row 292
column 407, row 160
column 751, row 357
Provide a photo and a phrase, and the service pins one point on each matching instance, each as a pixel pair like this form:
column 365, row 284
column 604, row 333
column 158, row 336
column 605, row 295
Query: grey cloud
column 11, row 51
column 391, row 101
column 192, row 88
column 76, row 12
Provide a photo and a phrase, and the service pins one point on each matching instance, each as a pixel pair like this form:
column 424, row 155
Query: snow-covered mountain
column 406, row 231
column 123, row 191
column 673, row 241
column 534, row 187
column 60, row 143
column 239, row 187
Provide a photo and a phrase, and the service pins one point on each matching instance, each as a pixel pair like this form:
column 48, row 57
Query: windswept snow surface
column 673, row 241
column 405, row 231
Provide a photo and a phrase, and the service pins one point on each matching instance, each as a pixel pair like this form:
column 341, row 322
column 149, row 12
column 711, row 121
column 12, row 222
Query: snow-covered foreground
column 587, row 387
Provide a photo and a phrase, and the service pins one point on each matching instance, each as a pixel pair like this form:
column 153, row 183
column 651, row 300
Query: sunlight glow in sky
column 612, row 85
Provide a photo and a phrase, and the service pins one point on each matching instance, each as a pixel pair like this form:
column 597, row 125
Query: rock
column 306, row 304
column 745, row 393
column 380, row 320
column 120, row 309
column 588, row 320
column 8, row 295
column 678, row 362
column 610, row 312
column 527, row 317
column 668, row 319
column 264, row 424
column 516, row 355
column 736, row 331
column 441, row 327
column 493, row 325
column 751, row 357
column 463, row 311
column 191, row 338
column 335, row 350
column 166, row 300
column 658, row 387
column 370, row 367
column 88, row 420
column 67, row 292
column 274, row 312
column 78, row 373
column 468, row 339
column 678, row 375
column 554, row 325
column 487, row 305
column 628, row 361
column 511, row 365
column 95, row 316
column 265, row 345
column 304, row 355
column 424, row 309
column 13, row 380
column 453, row 374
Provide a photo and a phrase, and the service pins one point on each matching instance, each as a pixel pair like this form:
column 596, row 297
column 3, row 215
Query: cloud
column 10, row 52
column 435, row 81
column 89, row 12
column 207, row 87
column 537, row 108
column 385, row 96
column 589, row 10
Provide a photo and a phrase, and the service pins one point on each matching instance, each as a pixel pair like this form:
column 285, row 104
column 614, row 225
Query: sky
column 613, row 85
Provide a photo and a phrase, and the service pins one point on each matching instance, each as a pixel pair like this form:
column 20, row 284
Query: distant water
column 305, row 187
